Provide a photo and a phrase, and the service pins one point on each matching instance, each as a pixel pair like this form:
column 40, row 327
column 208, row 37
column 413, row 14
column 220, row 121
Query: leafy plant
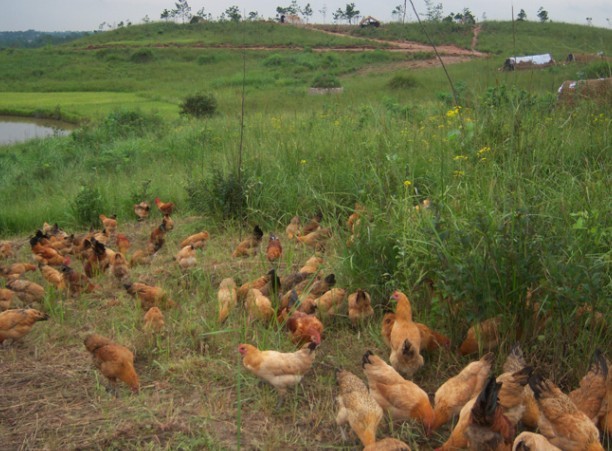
column 87, row 205
column 142, row 56
column 199, row 105
column 402, row 82
column 326, row 81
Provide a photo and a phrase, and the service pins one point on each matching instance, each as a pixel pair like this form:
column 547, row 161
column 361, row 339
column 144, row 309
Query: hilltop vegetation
column 519, row 188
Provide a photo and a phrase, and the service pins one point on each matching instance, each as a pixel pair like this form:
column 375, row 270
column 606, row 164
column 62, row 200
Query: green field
column 519, row 187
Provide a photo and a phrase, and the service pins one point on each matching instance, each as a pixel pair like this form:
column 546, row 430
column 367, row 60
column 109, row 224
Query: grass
column 519, row 188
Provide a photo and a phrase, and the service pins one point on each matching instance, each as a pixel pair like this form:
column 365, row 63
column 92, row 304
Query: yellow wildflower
column 407, row 183
column 460, row 157
column 302, row 161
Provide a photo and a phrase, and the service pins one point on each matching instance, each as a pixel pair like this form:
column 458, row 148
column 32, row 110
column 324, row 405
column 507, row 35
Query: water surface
column 19, row 129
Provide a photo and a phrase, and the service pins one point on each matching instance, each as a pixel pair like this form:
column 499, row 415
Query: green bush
column 221, row 195
column 599, row 69
column 87, row 205
column 199, row 105
column 402, row 82
column 326, row 81
column 142, row 56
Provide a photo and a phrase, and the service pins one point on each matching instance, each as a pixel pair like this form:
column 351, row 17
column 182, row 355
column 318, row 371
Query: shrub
column 222, row 195
column 599, row 69
column 207, row 59
column 402, row 82
column 326, row 81
column 87, row 205
column 130, row 123
column 142, row 56
column 199, row 105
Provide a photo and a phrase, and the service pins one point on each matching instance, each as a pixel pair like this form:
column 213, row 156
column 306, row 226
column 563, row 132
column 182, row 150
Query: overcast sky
column 88, row 15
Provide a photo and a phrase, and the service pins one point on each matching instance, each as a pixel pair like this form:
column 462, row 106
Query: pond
column 19, row 129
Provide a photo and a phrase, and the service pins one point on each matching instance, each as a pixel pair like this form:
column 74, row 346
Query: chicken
column 198, row 240
column 605, row 414
column 355, row 217
column 316, row 239
column 154, row 320
column 359, row 306
column 304, row 328
column 77, row 282
column 166, row 208
column 29, row 292
column 142, row 210
column 530, row 441
column 515, row 361
column 16, row 323
column 227, row 296
column 313, row 225
column 6, row 298
column 123, row 243
column 281, row 369
column 403, row 399
column 6, row 249
column 322, row 286
column 484, row 336
column 387, row 325
column 293, row 229
column 560, row 421
column 274, row 251
column 388, row 444
column 258, row 306
column 489, row 429
column 455, row 392
column 312, row 265
column 186, row 257
column 109, row 223
column 53, row 276
column 113, row 360
column 430, row 339
column 589, row 396
column 331, row 301
column 258, row 283
column 44, row 253
column 168, row 222
column 149, row 296
column 98, row 259
column 119, row 268
column 457, row 439
column 142, row 256
column 405, row 338
column 357, row 407
column 158, row 237
column 513, row 393
column 250, row 245
column 16, row 270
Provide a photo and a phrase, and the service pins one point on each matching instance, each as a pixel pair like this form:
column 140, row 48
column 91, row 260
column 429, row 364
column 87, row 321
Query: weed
column 87, row 205
column 199, row 105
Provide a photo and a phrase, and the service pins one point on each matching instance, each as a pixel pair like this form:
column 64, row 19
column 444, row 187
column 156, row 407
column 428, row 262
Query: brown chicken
column 304, row 328
column 590, row 395
column 109, row 223
column 488, row 428
column 432, row 340
column 330, row 302
column 149, row 296
column 186, row 257
column 258, row 306
column 515, row 361
column 119, row 268
column 44, row 253
column 293, row 229
column 6, row 298
column 154, row 320
column 168, row 222
column 258, row 283
column 455, row 392
column 227, row 296
column 359, row 306
column 16, row 323
column 6, row 249
column 605, row 414
column 530, row 441
column 53, row 276
column 281, row 369
column 403, row 399
column 274, row 251
column 387, row 324
column 313, row 225
column 250, row 245
column 29, row 292
column 405, row 338
column 123, row 243
column 355, row 217
column 166, row 208
column 142, row 210
column 197, row 240
column 312, row 265
column 98, row 259
column 482, row 336
column 388, row 444
column 560, row 421
column 77, row 282
column 16, row 270
column 512, row 395
column 142, row 256
column 316, row 239
column 357, row 407
column 158, row 237
column 113, row 360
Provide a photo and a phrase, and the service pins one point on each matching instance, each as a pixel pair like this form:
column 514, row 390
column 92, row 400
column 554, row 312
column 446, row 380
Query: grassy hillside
column 518, row 224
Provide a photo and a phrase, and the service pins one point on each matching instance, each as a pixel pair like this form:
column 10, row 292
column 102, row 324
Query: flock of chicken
column 490, row 409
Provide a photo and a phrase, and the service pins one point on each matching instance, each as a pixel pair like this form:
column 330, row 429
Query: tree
column 400, row 12
column 468, row 17
column 589, row 21
column 348, row 14
column 146, row 19
column 542, row 14
column 165, row 15
column 434, row 11
column 253, row 16
column 307, row 12
column 522, row 16
column 182, row 10
column 233, row 13
column 323, row 12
